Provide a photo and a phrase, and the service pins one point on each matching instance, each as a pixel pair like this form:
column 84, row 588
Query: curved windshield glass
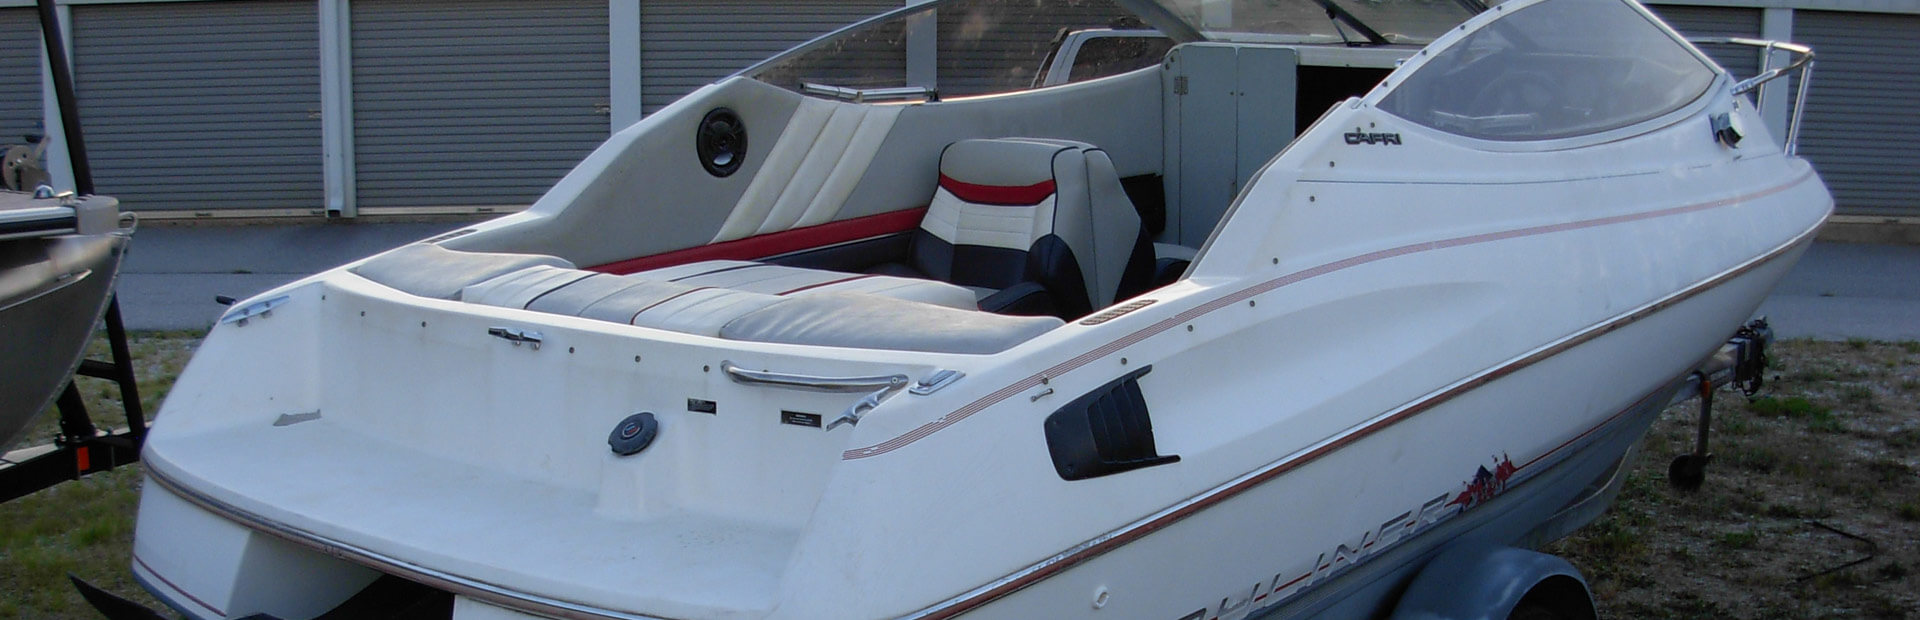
column 1395, row 21
column 956, row 48
column 1556, row 69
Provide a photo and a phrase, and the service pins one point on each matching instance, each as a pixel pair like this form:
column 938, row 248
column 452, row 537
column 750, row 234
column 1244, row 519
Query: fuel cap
column 633, row 434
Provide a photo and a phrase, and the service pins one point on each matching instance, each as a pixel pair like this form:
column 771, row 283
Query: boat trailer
column 1740, row 363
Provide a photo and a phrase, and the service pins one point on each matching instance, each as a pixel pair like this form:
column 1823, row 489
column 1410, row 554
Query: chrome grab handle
column 1802, row 60
column 811, row 382
column 881, row 386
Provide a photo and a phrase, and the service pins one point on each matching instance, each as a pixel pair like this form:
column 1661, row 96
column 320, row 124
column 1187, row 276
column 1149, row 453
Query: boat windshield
column 1416, row 22
column 955, row 48
column 959, row 48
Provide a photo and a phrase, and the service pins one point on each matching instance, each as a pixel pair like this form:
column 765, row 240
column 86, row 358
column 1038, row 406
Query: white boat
column 878, row 329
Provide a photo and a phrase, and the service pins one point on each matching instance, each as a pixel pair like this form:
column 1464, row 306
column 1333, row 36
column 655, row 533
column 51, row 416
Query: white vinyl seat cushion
column 621, row 299
column 865, row 321
column 784, row 280
column 428, row 270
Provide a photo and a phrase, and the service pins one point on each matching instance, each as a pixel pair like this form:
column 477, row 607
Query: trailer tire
column 1528, row 611
column 1476, row 581
column 1555, row 598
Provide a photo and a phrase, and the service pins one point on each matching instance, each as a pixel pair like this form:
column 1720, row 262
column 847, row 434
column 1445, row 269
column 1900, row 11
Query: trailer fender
column 1490, row 582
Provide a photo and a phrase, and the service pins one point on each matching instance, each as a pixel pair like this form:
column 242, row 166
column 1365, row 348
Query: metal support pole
column 63, row 90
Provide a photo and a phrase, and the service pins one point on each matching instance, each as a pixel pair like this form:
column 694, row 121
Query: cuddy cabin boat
column 59, row 256
column 1262, row 322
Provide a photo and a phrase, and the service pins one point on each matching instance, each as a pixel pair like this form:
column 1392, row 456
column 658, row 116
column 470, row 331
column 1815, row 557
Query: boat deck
column 342, row 492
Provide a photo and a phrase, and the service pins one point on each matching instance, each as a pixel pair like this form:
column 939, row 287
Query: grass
column 85, row 527
column 1832, row 441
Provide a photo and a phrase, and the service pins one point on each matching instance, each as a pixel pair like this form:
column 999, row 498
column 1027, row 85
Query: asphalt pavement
column 172, row 273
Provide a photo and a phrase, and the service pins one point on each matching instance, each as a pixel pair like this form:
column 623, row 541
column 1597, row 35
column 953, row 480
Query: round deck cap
column 633, row 434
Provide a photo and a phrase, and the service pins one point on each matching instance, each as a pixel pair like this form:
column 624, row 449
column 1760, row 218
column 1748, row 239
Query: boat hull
column 1386, row 346
column 1284, row 557
column 52, row 294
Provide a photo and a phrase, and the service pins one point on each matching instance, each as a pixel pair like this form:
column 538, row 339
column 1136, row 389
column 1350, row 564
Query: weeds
column 1790, row 407
column 1833, row 440
column 1739, row 540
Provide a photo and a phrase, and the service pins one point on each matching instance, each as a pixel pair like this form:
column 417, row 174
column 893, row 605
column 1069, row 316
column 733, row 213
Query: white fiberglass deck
column 482, row 525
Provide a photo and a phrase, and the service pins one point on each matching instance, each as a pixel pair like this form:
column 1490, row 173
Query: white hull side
column 1276, row 543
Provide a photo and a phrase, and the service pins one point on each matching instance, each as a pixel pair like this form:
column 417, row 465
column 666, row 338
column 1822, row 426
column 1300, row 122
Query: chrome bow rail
column 1802, row 61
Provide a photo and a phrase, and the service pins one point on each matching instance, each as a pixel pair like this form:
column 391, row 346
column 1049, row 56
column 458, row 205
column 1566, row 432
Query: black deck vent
column 1106, row 431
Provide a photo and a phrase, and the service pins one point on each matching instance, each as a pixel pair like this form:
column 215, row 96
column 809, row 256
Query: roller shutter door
column 1710, row 21
column 686, row 44
column 19, row 74
column 201, row 105
column 474, row 103
column 1861, row 122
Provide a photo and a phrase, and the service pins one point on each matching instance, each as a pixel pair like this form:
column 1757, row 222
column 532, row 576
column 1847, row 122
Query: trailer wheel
column 1531, row 611
column 1554, row 598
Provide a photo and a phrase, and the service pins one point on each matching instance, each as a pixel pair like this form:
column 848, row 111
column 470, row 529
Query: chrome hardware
column 1802, row 60
column 516, row 336
column 886, row 386
column 811, row 382
column 263, row 309
column 862, row 95
column 866, row 403
column 933, row 382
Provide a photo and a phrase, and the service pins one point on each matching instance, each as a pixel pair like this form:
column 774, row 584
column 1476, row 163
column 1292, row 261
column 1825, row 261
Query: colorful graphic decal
column 1486, row 484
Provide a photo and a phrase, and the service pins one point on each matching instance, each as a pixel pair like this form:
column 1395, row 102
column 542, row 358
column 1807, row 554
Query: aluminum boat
column 1315, row 310
column 58, row 260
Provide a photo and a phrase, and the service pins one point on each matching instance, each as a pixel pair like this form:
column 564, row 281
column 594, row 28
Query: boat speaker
column 721, row 142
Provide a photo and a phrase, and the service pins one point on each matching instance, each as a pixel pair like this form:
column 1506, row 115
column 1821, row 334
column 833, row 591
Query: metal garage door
column 1711, row 21
column 201, row 105
column 1861, row 122
column 19, row 74
column 686, row 44
column 464, row 103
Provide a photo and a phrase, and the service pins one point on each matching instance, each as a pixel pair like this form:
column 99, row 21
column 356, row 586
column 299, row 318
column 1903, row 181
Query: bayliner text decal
column 1284, row 585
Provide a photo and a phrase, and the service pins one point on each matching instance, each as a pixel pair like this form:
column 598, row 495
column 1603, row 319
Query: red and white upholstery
column 1041, row 226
